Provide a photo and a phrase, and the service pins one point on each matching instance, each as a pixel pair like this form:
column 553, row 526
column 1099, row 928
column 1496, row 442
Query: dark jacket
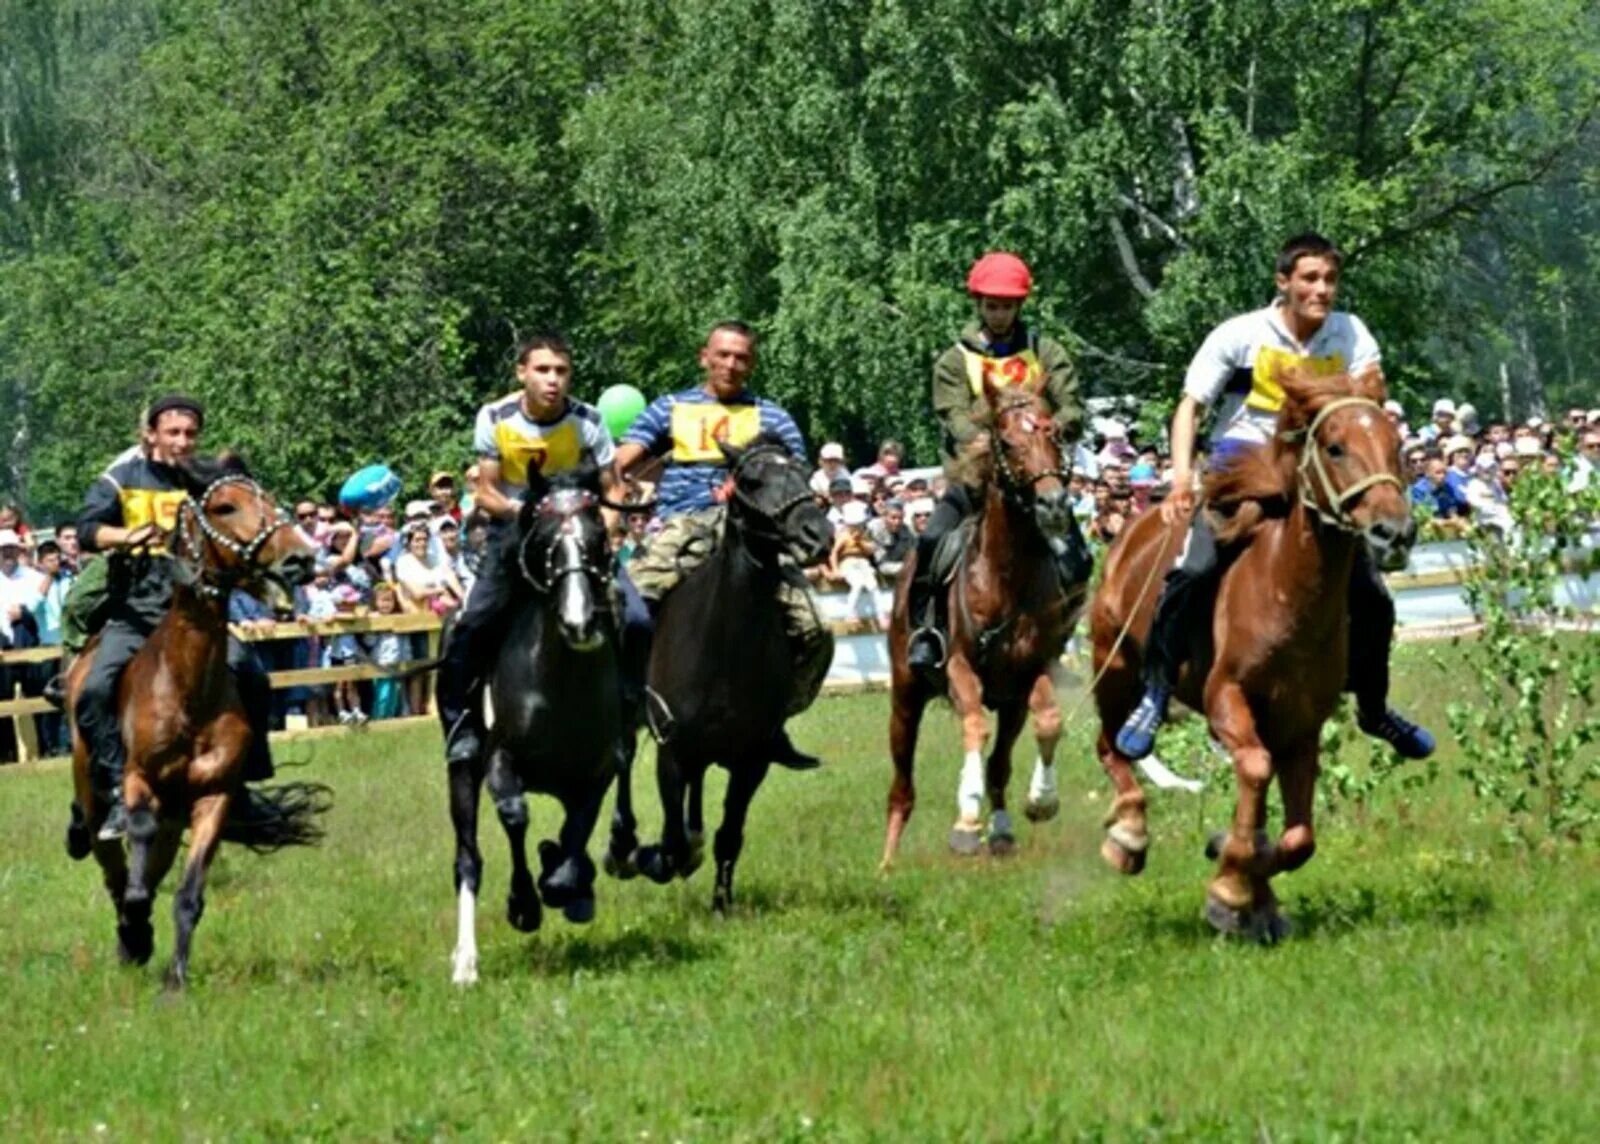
column 955, row 402
column 134, row 491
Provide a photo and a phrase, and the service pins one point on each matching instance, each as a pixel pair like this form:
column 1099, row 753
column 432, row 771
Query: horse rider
column 126, row 513
column 1237, row 364
column 686, row 429
column 1001, row 348
column 539, row 428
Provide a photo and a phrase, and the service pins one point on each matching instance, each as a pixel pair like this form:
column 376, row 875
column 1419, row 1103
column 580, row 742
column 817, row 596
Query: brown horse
column 1268, row 671
column 182, row 718
column 1009, row 620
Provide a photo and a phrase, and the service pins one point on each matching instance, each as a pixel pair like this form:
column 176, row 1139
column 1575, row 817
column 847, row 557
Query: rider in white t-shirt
column 1236, row 367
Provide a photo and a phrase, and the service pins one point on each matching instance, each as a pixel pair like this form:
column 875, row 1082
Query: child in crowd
column 851, row 562
column 342, row 650
column 386, row 650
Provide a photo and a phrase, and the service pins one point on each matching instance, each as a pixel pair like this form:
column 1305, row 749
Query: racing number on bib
column 697, row 430
column 1017, row 369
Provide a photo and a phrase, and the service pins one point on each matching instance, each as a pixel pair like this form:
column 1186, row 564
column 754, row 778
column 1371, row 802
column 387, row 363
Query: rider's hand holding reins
column 141, row 537
column 1178, row 507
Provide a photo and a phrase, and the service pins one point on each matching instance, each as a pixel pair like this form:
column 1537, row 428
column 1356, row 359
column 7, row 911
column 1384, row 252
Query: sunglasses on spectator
column 305, row 514
column 1509, row 471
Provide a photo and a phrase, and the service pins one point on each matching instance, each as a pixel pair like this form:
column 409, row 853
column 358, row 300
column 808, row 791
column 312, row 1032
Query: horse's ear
column 1369, row 383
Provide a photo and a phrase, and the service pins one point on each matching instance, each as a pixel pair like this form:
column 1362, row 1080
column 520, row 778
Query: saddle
column 952, row 546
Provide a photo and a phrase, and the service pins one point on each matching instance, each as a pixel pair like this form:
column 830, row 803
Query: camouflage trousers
column 83, row 611
column 686, row 541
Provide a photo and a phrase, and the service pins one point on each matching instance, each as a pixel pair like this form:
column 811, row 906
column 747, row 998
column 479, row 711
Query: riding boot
column 787, row 755
column 464, row 730
column 1163, row 652
column 928, row 646
column 1074, row 562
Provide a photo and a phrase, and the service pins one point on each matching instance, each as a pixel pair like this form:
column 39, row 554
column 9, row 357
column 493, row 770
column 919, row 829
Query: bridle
column 192, row 516
column 1021, row 488
column 566, row 556
column 775, row 515
column 1313, row 472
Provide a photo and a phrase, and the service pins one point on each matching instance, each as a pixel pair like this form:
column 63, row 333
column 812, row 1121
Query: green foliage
column 332, row 219
column 1529, row 733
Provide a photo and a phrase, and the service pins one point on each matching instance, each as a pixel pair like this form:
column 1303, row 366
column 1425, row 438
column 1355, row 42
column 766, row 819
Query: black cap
column 168, row 403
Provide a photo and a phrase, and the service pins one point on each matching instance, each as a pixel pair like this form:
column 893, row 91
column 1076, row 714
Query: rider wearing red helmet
column 1001, row 348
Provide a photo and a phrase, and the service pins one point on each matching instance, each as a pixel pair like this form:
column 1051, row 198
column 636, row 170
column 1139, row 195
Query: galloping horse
column 1268, row 667
column 721, row 666
column 557, row 716
column 183, row 721
column 1009, row 622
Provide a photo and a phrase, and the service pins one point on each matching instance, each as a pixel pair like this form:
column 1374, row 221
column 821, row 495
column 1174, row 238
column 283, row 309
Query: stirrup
column 921, row 638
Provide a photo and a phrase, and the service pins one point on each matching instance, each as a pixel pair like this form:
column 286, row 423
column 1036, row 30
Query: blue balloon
column 370, row 488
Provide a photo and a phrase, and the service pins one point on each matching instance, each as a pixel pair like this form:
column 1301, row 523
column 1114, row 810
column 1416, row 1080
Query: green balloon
column 620, row 406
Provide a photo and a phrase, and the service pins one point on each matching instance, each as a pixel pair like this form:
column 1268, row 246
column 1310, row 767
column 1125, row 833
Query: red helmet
column 1000, row 275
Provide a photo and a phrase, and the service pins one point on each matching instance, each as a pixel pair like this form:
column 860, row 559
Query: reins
column 576, row 501
column 1312, row 466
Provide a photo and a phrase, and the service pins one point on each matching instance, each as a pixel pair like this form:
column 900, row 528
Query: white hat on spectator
column 861, row 486
column 855, row 513
column 1594, row 416
column 9, row 538
column 1445, row 407
column 922, row 506
column 1456, row 444
column 1504, row 449
column 1115, row 430
column 1393, row 406
column 418, row 509
column 1528, row 447
column 832, row 451
column 1536, row 422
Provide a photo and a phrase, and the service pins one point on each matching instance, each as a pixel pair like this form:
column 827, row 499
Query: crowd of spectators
column 420, row 556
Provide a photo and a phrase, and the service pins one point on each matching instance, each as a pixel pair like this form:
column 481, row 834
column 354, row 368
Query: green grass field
column 1438, row 985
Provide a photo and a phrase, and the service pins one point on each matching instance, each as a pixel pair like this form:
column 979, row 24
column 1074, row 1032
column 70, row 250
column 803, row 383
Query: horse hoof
column 579, row 911
column 177, row 980
column 1042, row 811
column 135, row 944
column 722, row 903
column 1002, row 845
column 1269, row 927
column 464, row 971
column 654, row 864
column 524, row 912
column 79, row 841
column 697, row 855
column 622, row 868
column 966, row 842
column 1225, row 919
column 1123, row 859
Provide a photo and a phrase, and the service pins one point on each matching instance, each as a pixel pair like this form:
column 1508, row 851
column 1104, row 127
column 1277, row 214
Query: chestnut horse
column 183, row 721
column 1009, row 620
column 1268, row 669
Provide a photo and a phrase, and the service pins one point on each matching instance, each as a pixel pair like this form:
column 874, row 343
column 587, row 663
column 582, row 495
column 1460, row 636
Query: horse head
column 1026, row 453
column 231, row 533
column 772, row 501
column 563, row 553
column 1349, row 459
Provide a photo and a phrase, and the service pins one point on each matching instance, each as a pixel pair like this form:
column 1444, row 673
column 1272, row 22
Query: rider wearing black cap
column 128, row 512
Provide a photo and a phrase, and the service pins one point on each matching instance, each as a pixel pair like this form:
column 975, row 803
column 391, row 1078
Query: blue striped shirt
column 680, row 427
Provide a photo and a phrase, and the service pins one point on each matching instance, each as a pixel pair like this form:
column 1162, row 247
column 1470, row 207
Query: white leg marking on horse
column 969, row 796
column 466, row 955
column 1042, row 787
column 1163, row 778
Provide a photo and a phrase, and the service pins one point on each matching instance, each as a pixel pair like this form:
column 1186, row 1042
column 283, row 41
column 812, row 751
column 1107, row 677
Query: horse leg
column 206, row 819
column 743, row 783
column 621, row 852
column 966, row 693
column 696, row 824
column 1232, row 896
column 505, row 787
column 1044, row 800
column 997, row 776
column 1297, row 780
column 660, row 862
column 465, row 780
column 136, row 942
column 905, row 721
column 568, row 880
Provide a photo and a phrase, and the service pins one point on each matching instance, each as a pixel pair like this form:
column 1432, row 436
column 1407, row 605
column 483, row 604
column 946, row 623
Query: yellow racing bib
column 698, row 428
column 1022, row 368
column 549, row 453
column 1265, row 392
column 151, row 506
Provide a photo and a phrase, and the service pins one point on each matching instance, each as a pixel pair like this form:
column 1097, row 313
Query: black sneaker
column 115, row 827
column 1408, row 739
column 55, row 691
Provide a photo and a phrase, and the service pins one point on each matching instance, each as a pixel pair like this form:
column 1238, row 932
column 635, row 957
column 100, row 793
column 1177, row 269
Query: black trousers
column 1192, row 583
column 925, row 602
column 100, row 723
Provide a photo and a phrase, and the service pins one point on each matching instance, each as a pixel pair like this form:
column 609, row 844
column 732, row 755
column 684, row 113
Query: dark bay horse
column 1268, row 667
column 557, row 713
column 721, row 666
column 1009, row 621
column 183, row 721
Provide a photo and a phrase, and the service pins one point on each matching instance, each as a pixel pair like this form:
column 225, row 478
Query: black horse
column 557, row 711
column 720, row 667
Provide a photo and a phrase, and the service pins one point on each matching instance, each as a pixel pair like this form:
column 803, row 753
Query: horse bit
column 193, row 509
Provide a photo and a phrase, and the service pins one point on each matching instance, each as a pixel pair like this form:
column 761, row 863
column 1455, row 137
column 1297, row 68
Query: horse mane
column 199, row 473
column 1260, row 484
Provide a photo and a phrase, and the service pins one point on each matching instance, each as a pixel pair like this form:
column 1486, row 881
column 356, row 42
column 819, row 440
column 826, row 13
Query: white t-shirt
column 419, row 579
column 1238, row 360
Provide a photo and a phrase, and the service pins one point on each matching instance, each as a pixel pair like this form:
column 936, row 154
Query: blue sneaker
column 1138, row 735
column 1409, row 740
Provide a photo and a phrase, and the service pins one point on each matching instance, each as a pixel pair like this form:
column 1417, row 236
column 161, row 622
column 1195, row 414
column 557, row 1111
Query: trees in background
column 332, row 219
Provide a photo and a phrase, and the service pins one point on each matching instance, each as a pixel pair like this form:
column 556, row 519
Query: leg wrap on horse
column 255, row 692
column 809, row 637
column 1372, row 621
column 683, row 544
column 95, row 709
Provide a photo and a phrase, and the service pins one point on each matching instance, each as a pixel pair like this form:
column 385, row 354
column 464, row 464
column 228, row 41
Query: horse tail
column 269, row 818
